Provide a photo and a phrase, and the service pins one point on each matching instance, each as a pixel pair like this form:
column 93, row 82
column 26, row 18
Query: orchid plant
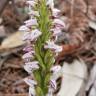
column 40, row 33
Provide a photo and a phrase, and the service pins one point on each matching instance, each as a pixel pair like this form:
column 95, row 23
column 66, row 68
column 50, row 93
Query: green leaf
column 47, row 55
column 39, row 91
column 47, row 79
column 50, row 62
column 39, row 58
column 37, row 76
column 49, row 59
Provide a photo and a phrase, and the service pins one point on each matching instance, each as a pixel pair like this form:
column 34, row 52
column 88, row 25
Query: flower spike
column 40, row 34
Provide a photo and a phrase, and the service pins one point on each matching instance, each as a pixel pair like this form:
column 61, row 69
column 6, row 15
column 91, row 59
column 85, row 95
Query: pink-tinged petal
column 28, row 69
column 31, row 66
column 31, row 3
column 33, row 63
column 51, row 45
column 35, row 34
column 31, row 36
column 28, row 55
column 31, row 22
column 28, row 48
column 58, row 49
column 55, row 12
column 24, row 28
column 59, row 23
column 56, row 31
column 32, row 91
column 53, row 84
column 56, row 69
column 30, row 82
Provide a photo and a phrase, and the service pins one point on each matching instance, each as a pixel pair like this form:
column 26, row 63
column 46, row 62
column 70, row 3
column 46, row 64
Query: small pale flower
column 33, row 63
column 51, row 45
column 31, row 3
column 31, row 66
column 24, row 28
column 31, row 36
column 56, row 31
column 56, row 69
column 50, row 3
column 32, row 91
column 30, row 82
column 35, row 31
column 31, row 22
column 55, row 12
column 28, row 48
column 35, row 34
column 59, row 23
column 28, row 55
column 53, row 84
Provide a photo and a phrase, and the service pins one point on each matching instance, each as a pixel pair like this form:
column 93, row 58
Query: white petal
column 31, row 66
column 31, row 22
column 92, row 25
column 55, row 12
column 28, row 48
column 32, row 91
column 31, row 3
column 56, row 31
column 28, row 55
column 59, row 22
column 56, row 69
column 58, row 49
column 24, row 28
column 28, row 69
column 54, row 47
column 53, row 84
column 30, row 82
column 35, row 34
column 32, row 63
column 50, row 3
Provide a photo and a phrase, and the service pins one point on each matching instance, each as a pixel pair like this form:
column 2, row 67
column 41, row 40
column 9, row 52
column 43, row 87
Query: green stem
column 44, row 26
